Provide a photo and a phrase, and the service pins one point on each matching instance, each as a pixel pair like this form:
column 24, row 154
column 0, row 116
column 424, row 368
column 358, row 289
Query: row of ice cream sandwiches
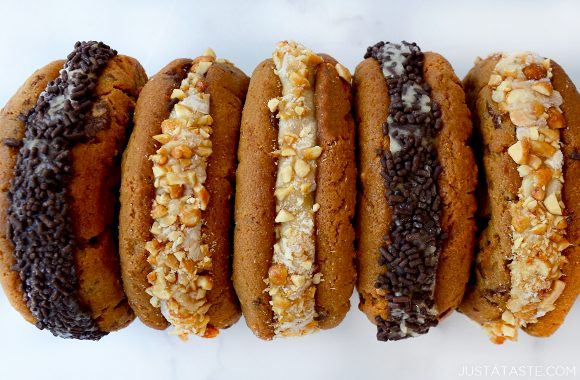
column 199, row 194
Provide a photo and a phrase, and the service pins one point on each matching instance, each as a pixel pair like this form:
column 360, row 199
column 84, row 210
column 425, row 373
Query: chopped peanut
column 180, row 262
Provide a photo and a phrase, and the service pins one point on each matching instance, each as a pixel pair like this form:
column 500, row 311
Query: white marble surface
column 156, row 32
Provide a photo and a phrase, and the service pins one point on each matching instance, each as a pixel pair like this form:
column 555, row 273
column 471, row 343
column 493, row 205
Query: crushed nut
column 179, row 278
column 534, row 71
column 176, row 191
column 163, row 138
column 181, row 151
column 209, row 53
column 535, row 162
column 284, row 216
column 273, row 104
column 298, row 280
column 542, row 149
column 560, row 222
column 201, row 69
column 183, row 112
column 312, row 153
column 524, row 170
column 520, row 222
column 555, row 119
column 551, row 134
column 306, row 188
column 543, row 176
column 158, row 212
column 494, row 80
column 280, row 303
column 287, row 152
column 343, row 72
column 286, row 173
column 563, row 245
column 277, row 274
column 204, row 151
column 317, row 278
column 552, row 204
column 178, row 94
column 521, row 86
column 282, row 192
column 204, row 282
column 290, row 279
column 301, row 168
column 519, row 152
column 544, row 88
column 539, row 229
column 190, row 216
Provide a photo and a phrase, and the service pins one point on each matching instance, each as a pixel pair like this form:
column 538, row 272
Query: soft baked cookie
column 62, row 136
column 526, row 112
column 293, row 242
column 177, row 197
column 415, row 226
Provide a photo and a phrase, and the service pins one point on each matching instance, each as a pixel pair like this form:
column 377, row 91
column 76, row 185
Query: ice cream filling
column 292, row 278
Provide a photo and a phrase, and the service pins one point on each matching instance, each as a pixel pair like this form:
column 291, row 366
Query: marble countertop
column 156, row 32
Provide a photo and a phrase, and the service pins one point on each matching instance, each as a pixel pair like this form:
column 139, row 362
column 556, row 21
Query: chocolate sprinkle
column 495, row 117
column 274, row 121
column 411, row 169
column 574, row 155
column 39, row 224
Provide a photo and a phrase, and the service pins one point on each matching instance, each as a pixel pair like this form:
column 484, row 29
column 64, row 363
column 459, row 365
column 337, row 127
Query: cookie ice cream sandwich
column 62, row 135
column 526, row 113
column 293, row 242
column 417, row 176
column 178, row 177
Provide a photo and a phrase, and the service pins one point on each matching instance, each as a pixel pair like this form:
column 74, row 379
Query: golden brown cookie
column 137, row 191
column 225, row 87
column 261, row 189
column 255, row 209
column 336, row 194
column 489, row 295
column 454, row 184
column 91, row 293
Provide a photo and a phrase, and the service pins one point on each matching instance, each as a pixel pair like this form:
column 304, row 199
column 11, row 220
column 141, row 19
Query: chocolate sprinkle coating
column 412, row 247
column 39, row 224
